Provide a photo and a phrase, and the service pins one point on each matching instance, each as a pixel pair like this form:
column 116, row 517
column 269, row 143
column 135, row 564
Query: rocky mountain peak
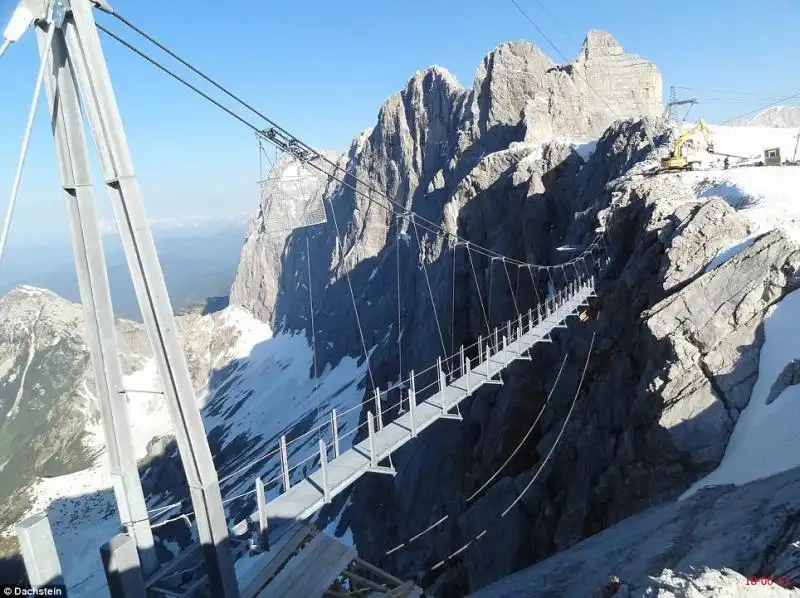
column 777, row 116
column 27, row 308
column 597, row 44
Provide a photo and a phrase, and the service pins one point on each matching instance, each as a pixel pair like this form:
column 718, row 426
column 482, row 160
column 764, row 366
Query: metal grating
column 292, row 199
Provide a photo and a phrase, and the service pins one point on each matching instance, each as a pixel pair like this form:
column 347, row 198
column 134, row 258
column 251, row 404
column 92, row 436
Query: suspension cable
column 428, row 282
column 535, row 475
column 511, row 288
column 290, row 143
column 26, row 138
column 480, row 297
column 340, row 240
column 496, row 473
column 313, row 329
column 399, row 315
column 535, row 285
column 491, row 287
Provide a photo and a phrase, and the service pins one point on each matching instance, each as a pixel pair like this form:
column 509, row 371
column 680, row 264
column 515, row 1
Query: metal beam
column 39, row 551
column 121, row 565
column 73, row 160
column 102, row 111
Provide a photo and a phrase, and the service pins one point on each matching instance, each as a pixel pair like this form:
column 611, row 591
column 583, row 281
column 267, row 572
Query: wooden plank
column 367, row 582
column 323, row 570
column 293, row 569
column 278, row 554
column 378, row 571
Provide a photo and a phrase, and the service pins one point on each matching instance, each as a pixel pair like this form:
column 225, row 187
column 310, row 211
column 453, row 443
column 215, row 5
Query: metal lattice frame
column 292, row 202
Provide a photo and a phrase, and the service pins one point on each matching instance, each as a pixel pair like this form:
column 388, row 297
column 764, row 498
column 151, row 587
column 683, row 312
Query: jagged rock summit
column 430, row 135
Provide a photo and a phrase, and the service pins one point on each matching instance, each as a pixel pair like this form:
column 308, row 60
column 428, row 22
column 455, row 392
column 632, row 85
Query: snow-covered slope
column 765, row 440
column 777, row 116
column 257, row 387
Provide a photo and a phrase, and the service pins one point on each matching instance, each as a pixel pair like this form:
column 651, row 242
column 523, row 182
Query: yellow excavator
column 676, row 160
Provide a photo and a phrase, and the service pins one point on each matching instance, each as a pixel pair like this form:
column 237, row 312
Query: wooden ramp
column 308, row 496
column 310, row 572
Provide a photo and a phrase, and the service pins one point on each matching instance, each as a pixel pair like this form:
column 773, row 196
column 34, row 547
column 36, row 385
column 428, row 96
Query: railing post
column 440, row 375
column 488, row 362
column 480, row 347
column 461, row 354
column 520, row 330
column 262, row 539
column 39, row 551
column 505, row 351
column 539, row 313
column 123, row 571
column 373, row 458
column 412, row 405
column 378, row 408
column 530, row 320
column 335, row 433
column 285, row 464
column 323, row 462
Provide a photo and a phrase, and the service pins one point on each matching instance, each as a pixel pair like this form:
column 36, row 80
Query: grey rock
column 706, row 230
column 790, row 376
column 748, row 529
column 490, row 164
column 709, row 336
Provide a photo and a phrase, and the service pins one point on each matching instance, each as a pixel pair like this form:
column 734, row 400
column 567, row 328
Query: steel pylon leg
column 102, row 111
column 90, row 264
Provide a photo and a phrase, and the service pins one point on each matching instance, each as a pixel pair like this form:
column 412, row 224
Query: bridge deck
column 305, row 498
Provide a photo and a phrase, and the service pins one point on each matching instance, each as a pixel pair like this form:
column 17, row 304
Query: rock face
column 677, row 342
column 677, row 345
column 790, row 376
column 739, row 533
column 710, row 336
column 434, row 149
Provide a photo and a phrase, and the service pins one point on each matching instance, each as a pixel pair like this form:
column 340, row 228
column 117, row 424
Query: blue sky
column 323, row 69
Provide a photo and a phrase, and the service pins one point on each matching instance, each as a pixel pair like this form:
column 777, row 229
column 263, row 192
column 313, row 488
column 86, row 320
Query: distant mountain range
column 777, row 116
column 199, row 257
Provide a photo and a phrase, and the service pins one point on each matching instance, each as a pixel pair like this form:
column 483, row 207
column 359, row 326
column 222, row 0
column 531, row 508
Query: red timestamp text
column 756, row 580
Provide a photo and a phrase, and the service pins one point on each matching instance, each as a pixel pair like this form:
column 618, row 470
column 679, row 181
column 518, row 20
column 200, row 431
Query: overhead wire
column 762, row 108
column 316, row 156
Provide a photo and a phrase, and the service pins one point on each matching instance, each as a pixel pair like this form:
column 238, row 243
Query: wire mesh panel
column 292, row 198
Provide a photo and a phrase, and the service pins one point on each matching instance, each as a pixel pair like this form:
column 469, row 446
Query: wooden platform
column 311, row 571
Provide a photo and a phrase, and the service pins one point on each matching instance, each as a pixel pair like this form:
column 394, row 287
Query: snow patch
column 765, row 440
column 584, row 150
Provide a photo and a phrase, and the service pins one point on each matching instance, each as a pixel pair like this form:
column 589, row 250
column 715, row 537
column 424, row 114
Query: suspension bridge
column 277, row 536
